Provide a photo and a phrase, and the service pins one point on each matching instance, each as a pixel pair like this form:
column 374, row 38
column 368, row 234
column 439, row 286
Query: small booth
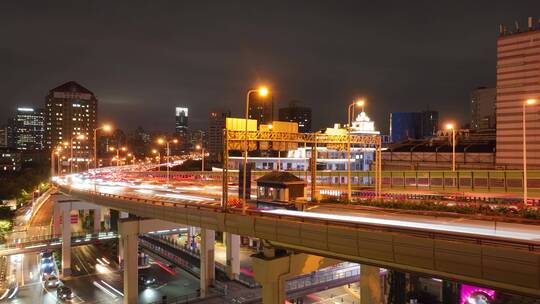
column 279, row 187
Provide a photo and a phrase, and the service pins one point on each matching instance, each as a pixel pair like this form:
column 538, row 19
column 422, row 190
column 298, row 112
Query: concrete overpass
column 506, row 263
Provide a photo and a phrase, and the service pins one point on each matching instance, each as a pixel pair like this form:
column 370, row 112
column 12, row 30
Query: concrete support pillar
column 208, row 239
column 57, row 214
column 129, row 240
column 66, row 243
column 232, row 244
column 272, row 272
column 97, row 220
column 370, row 285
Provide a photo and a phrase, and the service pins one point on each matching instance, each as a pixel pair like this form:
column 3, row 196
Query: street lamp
column 162, row 141
column 79, row 137
column 263, row 91
column 106, row 128
column 124, row 149
column 358, row 103
column 200, row 147
column 155, row 151
column 450, row 126
column 528, row 102
column 57, row 153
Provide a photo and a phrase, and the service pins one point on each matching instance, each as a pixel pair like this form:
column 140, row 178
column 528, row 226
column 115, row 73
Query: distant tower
column 217, row 123
column 181, row 129
column 29, row 129
column 295, row 113
column 71, row 110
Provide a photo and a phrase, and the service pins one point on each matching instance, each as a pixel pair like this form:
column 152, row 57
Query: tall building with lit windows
column 182, row 130
column 518, row 79
column 70, row 111
column 298, row 114
column 29, row 129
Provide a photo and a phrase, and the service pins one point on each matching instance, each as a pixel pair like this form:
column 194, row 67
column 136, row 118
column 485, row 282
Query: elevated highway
column 504, row 258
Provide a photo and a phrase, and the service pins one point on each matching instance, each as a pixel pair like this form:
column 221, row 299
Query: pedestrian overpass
column 48, row 242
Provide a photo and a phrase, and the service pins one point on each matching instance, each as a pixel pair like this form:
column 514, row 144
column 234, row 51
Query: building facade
column 413, row 125
column 483, row 108
column 216, row 125
column 295, row 113
column 29, row 126
column 10, row 160
column 182, row 130
column 518, row 79
column 3, row 137
column 71, row 111
column 261, row 108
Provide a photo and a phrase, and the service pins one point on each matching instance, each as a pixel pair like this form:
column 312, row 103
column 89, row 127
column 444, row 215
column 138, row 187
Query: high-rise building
column 518, row 79
column 3, row 137
column 70, row 111
column 181, row 119
column 29, row 129
column 429, row 123
column 216, row 126
column 182, row 130
column 483, row 108
column 295, row 113
column 261, row 109
column 413, row 125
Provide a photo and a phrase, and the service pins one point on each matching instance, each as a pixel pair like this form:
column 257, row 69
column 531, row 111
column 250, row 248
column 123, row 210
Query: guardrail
column 416, row 232
column 51, row 240
column 318, row 278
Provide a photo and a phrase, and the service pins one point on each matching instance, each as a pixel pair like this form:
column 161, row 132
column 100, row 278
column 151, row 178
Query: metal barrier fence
column 323, row 277
column 37, row 241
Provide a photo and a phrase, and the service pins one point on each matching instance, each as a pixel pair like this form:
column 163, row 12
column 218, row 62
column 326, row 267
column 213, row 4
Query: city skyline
column 415, row 67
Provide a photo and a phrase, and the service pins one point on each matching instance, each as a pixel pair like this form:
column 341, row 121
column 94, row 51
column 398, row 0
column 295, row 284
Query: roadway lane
column 507, row 231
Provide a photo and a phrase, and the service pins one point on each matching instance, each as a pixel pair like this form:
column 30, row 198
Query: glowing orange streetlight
column 106, row 128
column 262, row 91
column 450, row 126
column 162, row 141
column 528, row 102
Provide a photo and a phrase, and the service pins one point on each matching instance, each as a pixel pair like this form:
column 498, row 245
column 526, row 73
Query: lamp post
column 155, row 151
column 262, row 92
column 79, row 137
column 124, row 149
column 162, row 141
column 200, row 147
column 528, row 102
column 450, row 126
column 358, row 103
column 106, row 128
column 53, row 153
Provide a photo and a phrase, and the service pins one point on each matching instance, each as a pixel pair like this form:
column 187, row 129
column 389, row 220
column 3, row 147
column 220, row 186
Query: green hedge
column 461, row 208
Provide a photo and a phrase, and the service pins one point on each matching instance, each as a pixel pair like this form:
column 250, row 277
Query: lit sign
column 25, row 109
column 476, row 295
column 180, row 110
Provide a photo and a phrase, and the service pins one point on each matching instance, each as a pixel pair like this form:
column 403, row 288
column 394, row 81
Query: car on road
column 146, row 280
column 64, row 293
column 51, row 281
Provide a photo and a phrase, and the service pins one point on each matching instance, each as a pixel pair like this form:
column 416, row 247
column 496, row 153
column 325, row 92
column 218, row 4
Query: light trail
column 409, row 224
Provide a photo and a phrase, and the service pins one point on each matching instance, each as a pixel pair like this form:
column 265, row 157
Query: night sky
column 143, row 58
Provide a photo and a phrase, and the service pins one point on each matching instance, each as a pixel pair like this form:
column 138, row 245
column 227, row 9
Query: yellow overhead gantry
column 235, row 139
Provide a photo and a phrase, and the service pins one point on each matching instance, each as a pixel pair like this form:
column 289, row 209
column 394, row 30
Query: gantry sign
column 235, row 139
